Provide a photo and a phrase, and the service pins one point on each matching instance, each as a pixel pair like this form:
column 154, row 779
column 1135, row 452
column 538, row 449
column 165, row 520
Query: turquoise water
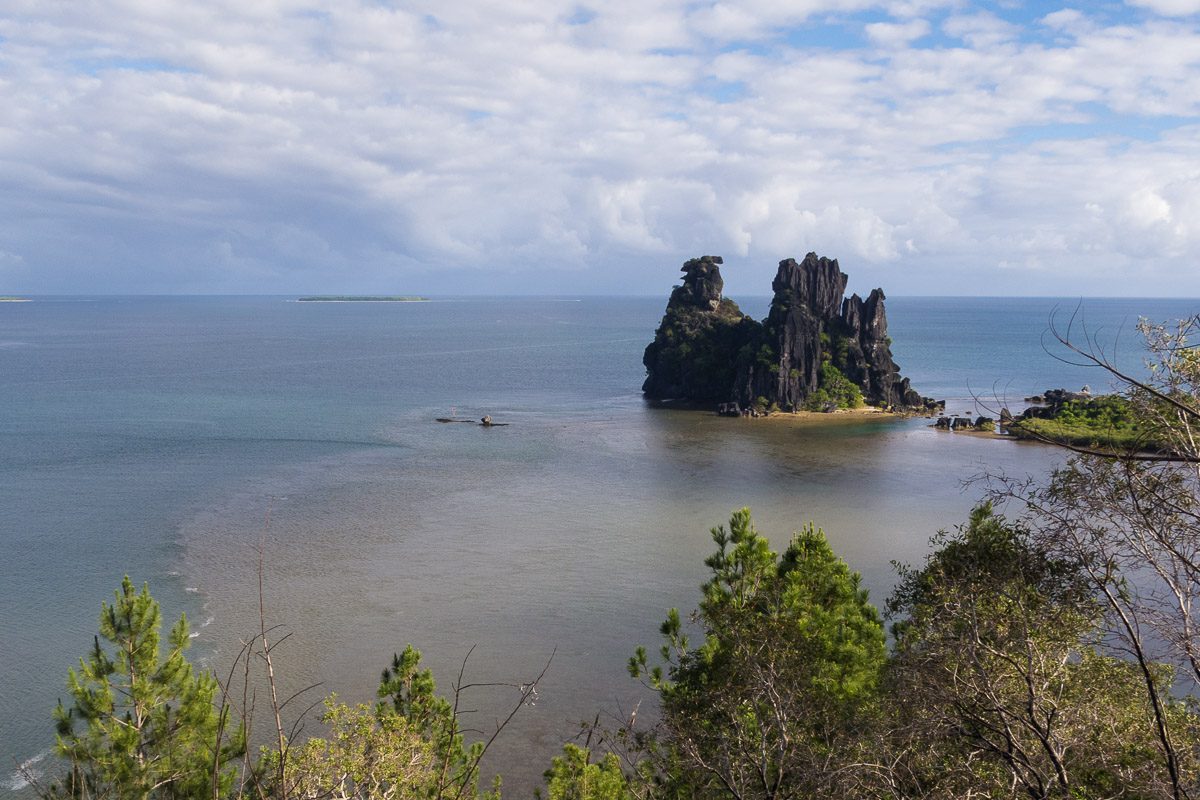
column 152, row 436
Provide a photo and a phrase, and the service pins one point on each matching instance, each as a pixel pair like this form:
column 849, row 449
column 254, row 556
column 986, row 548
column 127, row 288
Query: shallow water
column 155, row 435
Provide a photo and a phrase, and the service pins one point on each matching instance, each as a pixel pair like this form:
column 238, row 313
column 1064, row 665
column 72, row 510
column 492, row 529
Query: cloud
column 897, row 34
column 356, row 145
column 1169, row 8
column 982, row 30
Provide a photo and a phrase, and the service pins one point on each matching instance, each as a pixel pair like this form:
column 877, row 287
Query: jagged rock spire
column 702, row 283
column 705, row 350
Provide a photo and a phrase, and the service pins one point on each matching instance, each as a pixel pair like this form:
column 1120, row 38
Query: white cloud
column 889, row 34
column 1170, row 8
column 980, row 30
column 253, row 146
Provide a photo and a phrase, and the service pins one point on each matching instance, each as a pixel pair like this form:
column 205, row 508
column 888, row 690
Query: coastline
column 980, row 434
column 839, row 415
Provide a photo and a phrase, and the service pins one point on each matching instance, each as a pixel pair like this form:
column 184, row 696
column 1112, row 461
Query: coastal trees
column 367, row 753
column 410, row 693
column 574, row 776
column 790, row 651
column 408, row 746
column 1129, row 516
column 142, row 723
column 1001, row 682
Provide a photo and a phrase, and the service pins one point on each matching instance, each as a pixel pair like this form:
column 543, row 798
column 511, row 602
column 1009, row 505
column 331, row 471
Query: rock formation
column 702, row 284
column 814, row 347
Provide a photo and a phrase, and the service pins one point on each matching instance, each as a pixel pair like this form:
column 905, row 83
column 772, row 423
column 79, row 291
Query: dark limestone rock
column 1049, row 403
column 695, row 349
column 705, row 350
column 702, row 284
column 808, row 297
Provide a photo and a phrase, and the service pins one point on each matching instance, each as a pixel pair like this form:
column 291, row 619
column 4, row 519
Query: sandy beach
column 842, row 415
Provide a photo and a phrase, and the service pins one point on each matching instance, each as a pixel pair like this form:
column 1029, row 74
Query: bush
column 834, row 389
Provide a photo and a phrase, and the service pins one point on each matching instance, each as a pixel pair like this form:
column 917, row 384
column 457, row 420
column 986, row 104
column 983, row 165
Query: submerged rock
column 706, row 350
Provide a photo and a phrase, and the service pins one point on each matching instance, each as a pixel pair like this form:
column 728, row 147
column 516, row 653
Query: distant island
column 14, row 299
column 363, row 298
column 817, row 350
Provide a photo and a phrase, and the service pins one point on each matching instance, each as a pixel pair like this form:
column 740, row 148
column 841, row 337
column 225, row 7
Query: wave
column 19, row 779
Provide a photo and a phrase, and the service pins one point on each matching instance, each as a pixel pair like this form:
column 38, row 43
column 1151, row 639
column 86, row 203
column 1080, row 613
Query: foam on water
column 25, row 772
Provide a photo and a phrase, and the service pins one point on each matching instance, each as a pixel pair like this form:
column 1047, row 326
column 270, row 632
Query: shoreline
column 795, row 417
column 841, row 414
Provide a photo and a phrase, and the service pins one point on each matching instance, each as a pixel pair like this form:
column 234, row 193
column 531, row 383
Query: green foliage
column 1109, row 421
column 791, row 648
column 836, row 349
column 572, row 776
column 408, row 746
column 994, row 555
column 767, row 357
column 368, row 753
column 764, row 406
column 142, row 724
column 413, row 697
column 1000, row 677
column 834, row 389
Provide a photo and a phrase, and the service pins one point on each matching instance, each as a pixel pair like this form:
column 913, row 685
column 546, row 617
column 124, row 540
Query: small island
column 817, row 350
column 362, row 298
column 1106, row 422
column 10, row 299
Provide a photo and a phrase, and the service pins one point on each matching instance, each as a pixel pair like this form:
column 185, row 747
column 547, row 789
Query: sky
column 543, row 147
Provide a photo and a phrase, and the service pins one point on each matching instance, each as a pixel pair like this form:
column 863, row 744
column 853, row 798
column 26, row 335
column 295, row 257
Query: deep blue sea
column 154, row 436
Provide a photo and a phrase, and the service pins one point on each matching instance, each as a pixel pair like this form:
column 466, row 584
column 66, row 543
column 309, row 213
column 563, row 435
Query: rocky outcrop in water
column 816, row 348
column 695, row 351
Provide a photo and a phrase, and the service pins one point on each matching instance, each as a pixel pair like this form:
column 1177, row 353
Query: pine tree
column 791, row 650
column 142, row 725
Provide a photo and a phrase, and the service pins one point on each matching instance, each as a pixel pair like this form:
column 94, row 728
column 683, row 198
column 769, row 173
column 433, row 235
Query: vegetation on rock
column 835, row 390
column 695, row 350
column 1107, row 421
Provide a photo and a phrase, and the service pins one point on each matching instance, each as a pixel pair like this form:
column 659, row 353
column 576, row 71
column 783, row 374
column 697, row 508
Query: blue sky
column 571, row 147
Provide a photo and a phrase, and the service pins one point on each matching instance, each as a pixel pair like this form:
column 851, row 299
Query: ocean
column 166, row 437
